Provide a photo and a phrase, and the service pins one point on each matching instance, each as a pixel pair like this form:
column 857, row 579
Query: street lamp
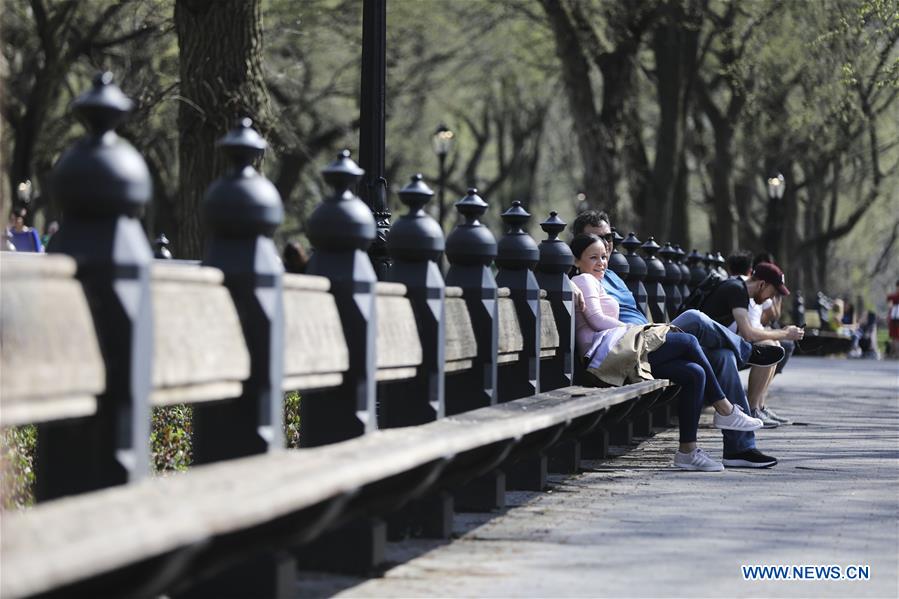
column 776, row 186
column 773, row 224
column 443, row 141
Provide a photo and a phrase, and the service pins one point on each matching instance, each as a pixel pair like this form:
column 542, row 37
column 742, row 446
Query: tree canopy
column 670, row 114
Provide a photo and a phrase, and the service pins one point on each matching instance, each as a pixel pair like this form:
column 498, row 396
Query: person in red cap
column 729, row 304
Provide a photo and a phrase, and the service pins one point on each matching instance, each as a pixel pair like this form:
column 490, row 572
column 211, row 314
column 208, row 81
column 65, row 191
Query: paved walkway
column 633, row 526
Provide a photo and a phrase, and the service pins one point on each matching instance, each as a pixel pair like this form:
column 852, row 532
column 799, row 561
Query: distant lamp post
column 581, row 202
column 23, row 193
column 774, row 223
column 443, row 141
column 776, row 186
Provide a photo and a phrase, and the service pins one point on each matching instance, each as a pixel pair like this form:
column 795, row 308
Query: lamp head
column 443, row 140
column 776, row 186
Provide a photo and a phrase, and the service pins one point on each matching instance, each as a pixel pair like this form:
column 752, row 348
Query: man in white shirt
column 739, row 264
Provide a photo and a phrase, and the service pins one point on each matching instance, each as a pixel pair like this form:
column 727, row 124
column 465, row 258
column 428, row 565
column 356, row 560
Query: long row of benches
column 418, row 397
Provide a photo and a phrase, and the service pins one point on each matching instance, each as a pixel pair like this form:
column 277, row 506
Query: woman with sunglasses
column 618, row 353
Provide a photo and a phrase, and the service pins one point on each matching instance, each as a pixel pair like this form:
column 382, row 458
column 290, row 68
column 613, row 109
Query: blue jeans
column 727, row 352
column 713, row 335
column 789, row 348
column 682, row 361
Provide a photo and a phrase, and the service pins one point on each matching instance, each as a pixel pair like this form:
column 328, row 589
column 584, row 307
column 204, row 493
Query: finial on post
column 102, row 107
column 242, row 145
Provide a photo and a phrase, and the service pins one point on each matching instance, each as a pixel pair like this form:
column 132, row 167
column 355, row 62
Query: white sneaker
column 737, row 421
column 697, row 460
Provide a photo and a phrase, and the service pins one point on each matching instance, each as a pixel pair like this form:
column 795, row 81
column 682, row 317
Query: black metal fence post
column 684, row 271
column 471, row 248
column 655, row 276
column 242, row 210
column 617, row 262
column 416, row 244
column 697, row 270
column 552, row 275
column 341, row 229
column 636, row 272
column 103, row 184
column 517, row 255
column 673, row 297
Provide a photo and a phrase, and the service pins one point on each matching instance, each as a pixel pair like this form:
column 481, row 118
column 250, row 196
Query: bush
column 170, row 448
column 292, row 419
column 17, row 466
column 170, row 439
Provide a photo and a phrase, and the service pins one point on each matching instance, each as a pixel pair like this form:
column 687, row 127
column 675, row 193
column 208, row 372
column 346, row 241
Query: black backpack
column 702, row 292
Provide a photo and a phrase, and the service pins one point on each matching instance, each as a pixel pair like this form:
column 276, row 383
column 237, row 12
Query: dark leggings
column 681, row 360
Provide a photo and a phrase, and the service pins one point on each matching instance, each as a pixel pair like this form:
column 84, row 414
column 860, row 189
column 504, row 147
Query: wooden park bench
column 417, row 396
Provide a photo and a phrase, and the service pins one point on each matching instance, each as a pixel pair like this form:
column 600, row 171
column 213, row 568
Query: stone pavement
column 633, row 526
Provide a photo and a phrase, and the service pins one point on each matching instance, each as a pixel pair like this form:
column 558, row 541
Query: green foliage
column 170, row 438
column 292, row 419
column 811, row 77
column 170, row 447
column 17, row 445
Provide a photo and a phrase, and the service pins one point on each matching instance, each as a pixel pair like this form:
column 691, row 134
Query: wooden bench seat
column 61, row 542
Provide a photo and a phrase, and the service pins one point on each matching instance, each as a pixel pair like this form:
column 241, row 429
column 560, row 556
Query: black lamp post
column 373, row 184
column 776, row 187
column 443, row 141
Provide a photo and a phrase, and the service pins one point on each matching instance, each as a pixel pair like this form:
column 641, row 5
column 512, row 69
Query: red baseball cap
column 771, row 273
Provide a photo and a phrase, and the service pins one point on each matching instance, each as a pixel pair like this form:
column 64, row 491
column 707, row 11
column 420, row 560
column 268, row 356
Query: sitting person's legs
column 713, row 335
column 739, row 446
column 789, row 347
column 681, row 360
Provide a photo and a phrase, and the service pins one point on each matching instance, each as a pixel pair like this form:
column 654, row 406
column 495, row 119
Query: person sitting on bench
column 726, row 351
column 619, row 353
column 740, row 264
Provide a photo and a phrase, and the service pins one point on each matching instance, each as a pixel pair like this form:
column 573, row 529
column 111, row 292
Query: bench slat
column 199, row 353
column 549, row 334
column 310, row 314
column 51, row 367
column 511, row 342
column 398, row 347
column 461, row 346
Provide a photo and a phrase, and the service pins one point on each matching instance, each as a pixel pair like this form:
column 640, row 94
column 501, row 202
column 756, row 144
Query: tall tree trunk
column 679, row 231
column 675, row 46
column 721, row 173
column 30, row 126
column 593, row 143
column 220, row 43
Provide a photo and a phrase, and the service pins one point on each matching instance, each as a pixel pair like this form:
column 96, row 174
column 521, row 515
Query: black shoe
column 751, row 458
column 765, row 355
